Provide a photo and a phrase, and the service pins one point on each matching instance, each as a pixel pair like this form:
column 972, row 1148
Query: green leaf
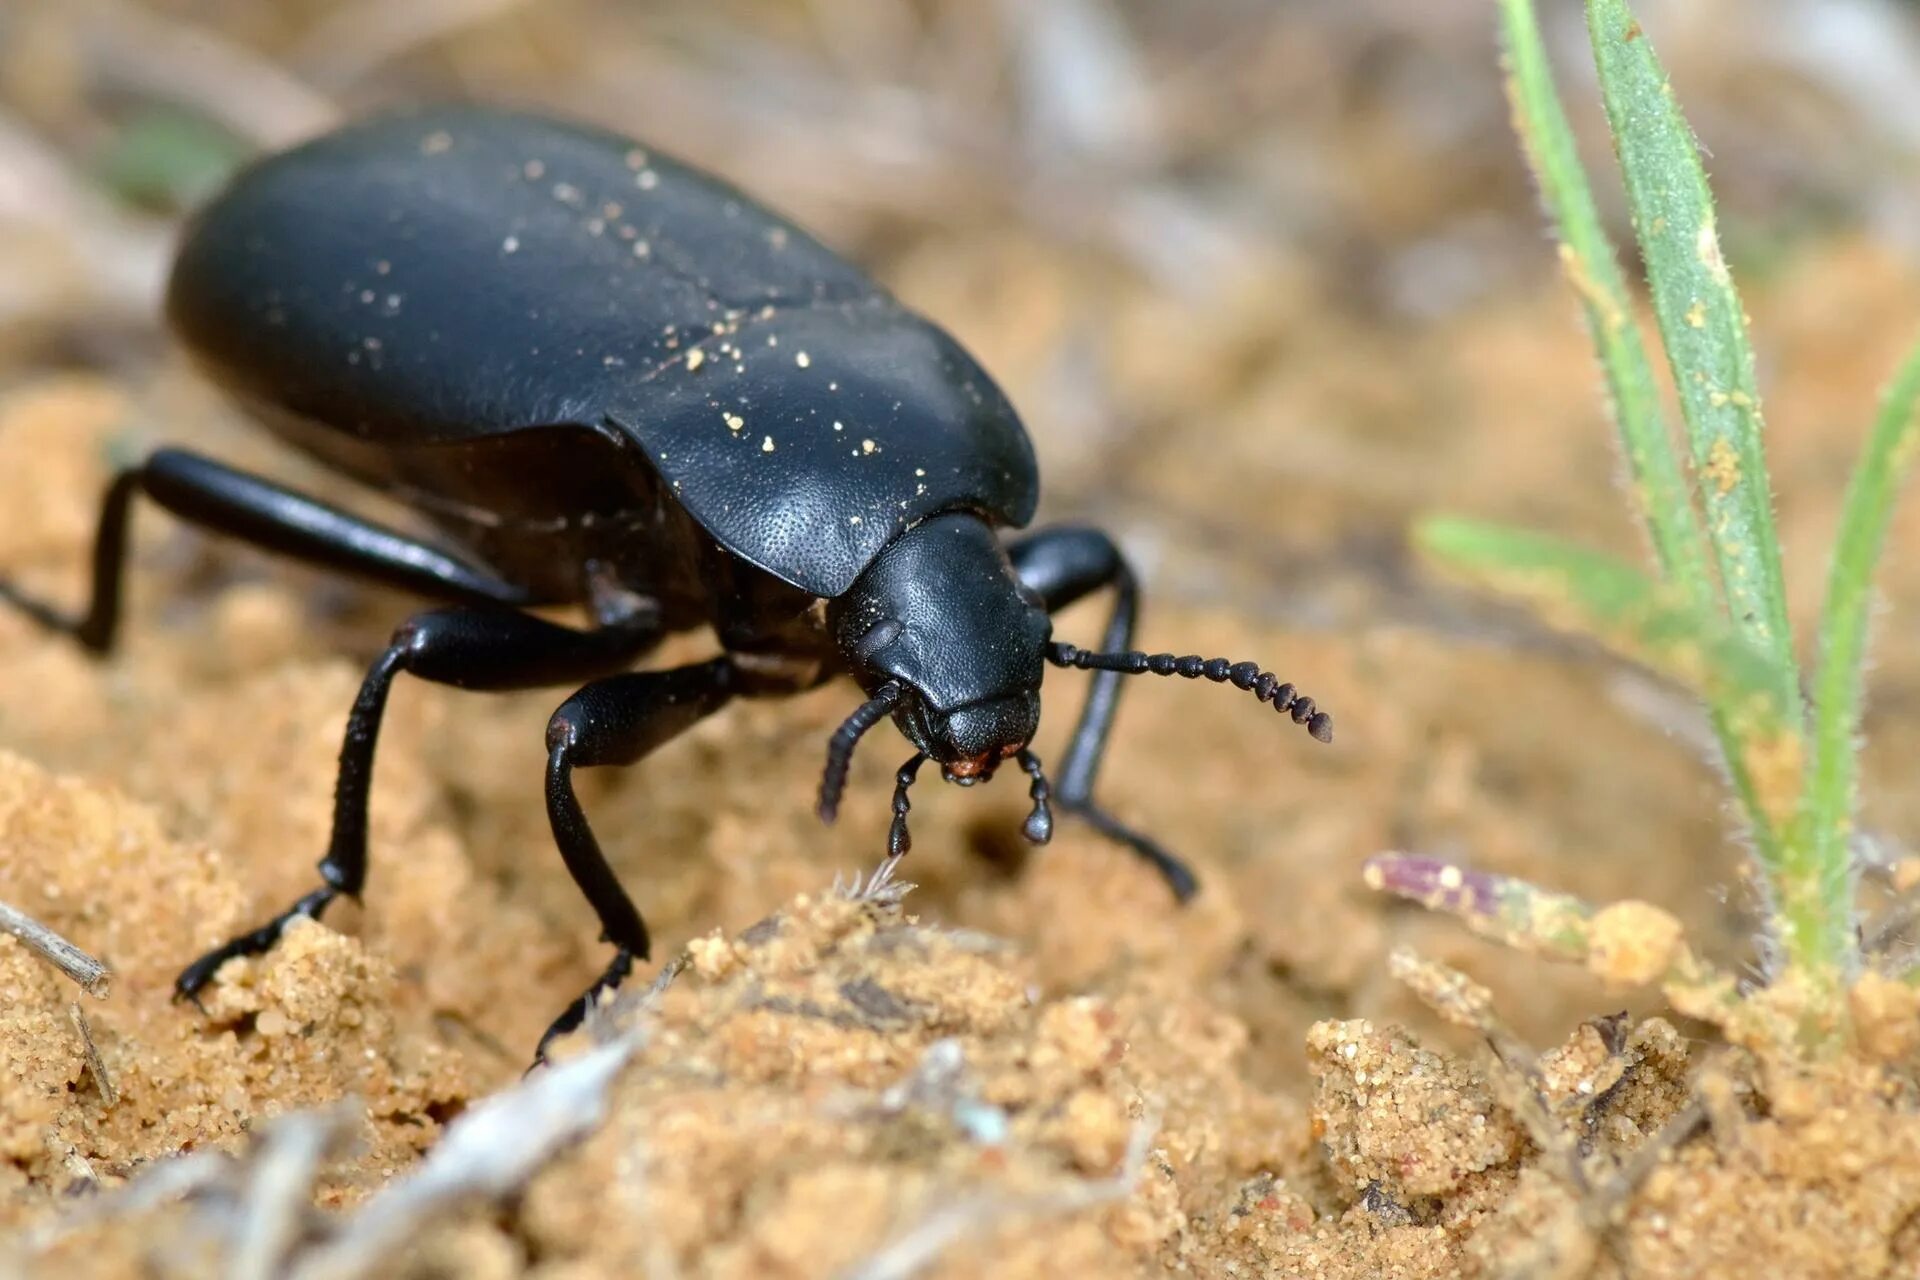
column 1659, row 486
column 167, row 160
column 1703, row 326
column 1826, row 817
column 1598, row 595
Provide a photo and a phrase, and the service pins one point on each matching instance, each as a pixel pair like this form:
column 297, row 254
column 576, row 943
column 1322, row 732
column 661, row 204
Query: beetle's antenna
column 899, row 840
column 845, row 738
column 1039, row 824
column 1264, row 685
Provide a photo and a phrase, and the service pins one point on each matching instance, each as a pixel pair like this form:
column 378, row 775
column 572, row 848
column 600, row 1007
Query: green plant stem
column 1658, row 485
column 1701, row 323
column 1800, row 837
column 1507, row 910
column 1541, row 922
column 1821, row 869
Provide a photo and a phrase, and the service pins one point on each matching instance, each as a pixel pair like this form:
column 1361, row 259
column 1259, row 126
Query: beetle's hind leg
column 617, row 720
column 466, row 646
column 269, row 515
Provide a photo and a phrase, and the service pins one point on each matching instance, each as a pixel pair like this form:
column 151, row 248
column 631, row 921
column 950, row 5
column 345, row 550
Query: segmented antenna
column 899, row 839
column 840, row 746
column 1039, row 824
column 1264, row 685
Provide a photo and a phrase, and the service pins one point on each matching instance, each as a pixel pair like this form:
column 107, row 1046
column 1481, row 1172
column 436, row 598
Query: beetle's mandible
column 609, row 380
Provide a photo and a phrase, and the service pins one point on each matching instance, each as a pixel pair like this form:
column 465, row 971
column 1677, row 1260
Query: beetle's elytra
column 607, row 379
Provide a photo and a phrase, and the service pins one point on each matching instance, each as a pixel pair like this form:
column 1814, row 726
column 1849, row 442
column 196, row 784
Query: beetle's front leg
column 618, row 720
column 468, row 647
column 1062, row 565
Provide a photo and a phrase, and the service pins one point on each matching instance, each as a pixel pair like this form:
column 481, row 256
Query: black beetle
column 613, row 381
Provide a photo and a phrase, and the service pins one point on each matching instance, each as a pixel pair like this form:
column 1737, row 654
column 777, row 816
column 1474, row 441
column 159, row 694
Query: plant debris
column 56, row 951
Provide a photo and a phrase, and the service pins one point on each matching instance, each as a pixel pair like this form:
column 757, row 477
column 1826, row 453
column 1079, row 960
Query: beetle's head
column 943, row 636
column 941, row 619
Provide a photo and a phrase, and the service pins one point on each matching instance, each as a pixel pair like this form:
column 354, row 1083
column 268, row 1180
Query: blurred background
column 1239, row 243
column 1266, row 278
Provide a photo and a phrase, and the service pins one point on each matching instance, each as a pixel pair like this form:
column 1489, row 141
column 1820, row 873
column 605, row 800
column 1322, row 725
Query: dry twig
column 1516, row 1077
column 56, row 951
column 95, row 1064
column 487, row 1153
column 251, row 1204
column 278, row 1192
column 879, row 888
column 914, row 1250
column 1566, row 1244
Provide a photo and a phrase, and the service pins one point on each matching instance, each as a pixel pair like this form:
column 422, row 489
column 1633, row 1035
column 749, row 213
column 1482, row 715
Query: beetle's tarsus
column 616, row 972
column 252, row 943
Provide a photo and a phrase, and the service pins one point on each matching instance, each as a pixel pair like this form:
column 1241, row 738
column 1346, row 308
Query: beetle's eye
column 879, row 636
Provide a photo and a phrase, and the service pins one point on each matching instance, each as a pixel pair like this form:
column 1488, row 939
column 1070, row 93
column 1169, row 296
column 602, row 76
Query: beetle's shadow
column 998, row 847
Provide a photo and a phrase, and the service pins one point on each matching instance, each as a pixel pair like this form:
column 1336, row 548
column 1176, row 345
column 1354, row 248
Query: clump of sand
column 306, row 1024
column 843, row 1089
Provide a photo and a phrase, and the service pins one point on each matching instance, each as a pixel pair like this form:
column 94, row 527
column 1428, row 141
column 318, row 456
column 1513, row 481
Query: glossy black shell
column 510, row 319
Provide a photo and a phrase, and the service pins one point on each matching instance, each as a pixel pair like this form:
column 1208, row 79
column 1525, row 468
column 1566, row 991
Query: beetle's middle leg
column 1063, row 565
column 617, row 720
column 465, row 646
